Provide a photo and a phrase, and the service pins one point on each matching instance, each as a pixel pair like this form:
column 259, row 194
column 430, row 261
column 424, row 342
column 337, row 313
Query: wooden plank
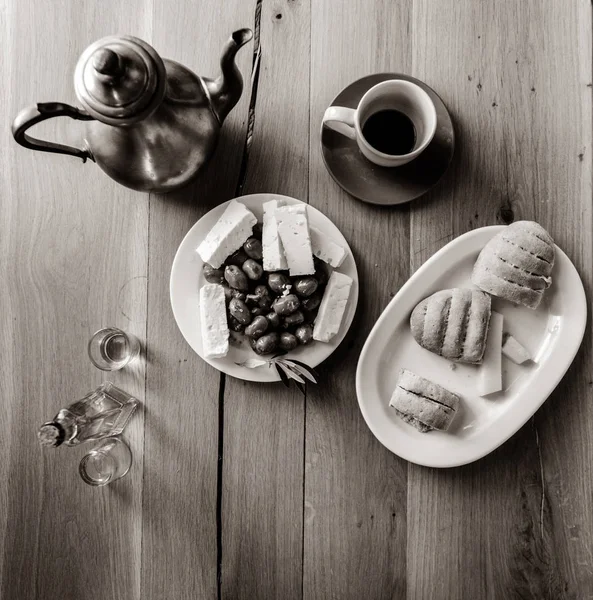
column 262, row 494
column 516, row 523
column 74, row 256
column 355, row 490
column 179, row 554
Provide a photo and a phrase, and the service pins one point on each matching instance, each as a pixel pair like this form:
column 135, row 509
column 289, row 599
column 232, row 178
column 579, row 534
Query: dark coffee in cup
column 390, row 131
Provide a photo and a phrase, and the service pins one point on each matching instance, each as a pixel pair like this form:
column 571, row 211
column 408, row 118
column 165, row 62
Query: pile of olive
column 275, row 311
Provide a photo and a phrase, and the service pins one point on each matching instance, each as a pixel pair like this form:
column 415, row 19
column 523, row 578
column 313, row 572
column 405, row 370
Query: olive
column 278, row 282
column 285, row 305
column 238, row 294
column 273, row 320
column 235, row 325
column 304, row 334
column 239, row 310
column 305, row 286
column 253, row 248
column 296, row 318
column 236, row 278
column 228, row 293
column 252, row 269
column 264, row 297
column 212, row 275
column 257, row 327
column 312, row 302
column 257, row 311
column 266, row 344
column 257, row 230
column 237, row 258
column 288, row 341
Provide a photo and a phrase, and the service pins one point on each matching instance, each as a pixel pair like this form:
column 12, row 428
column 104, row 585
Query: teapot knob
column 107, row 62
column 120, row 80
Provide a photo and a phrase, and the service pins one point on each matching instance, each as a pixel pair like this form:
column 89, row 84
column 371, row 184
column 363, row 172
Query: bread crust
column 453, row 324
column 516, row 264
column 422, row 403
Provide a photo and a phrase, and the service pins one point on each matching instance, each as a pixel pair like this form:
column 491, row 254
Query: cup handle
column 341, row 119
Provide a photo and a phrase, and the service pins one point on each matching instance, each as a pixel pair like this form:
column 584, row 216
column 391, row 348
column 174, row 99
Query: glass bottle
column 102, row 413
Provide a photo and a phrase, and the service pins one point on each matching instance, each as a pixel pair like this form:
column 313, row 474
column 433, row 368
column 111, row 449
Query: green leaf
column 307, row 368
column 282, row 374
column 298, row 369
column 291, row 374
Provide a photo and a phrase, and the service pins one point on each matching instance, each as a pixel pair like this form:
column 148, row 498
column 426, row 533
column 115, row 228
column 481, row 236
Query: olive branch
column 288, row 369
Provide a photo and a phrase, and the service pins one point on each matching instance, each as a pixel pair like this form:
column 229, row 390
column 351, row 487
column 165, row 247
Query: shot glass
column 109, row 461
column 111, row 349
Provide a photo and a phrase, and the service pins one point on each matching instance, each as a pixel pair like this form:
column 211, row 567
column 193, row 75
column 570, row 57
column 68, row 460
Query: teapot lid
column 120, row 80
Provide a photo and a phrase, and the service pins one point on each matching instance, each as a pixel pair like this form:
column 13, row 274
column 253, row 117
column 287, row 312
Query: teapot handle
column 40, row 112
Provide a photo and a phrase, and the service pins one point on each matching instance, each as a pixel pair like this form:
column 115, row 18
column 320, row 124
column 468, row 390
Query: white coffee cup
column 395, row 94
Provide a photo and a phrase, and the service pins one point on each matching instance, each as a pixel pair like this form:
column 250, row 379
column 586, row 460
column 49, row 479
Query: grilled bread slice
column 453, row 324
column 422, row 403
column 516, row 264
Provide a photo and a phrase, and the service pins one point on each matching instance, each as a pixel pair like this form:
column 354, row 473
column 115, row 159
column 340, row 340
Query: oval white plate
column 187, row 279
column 553, row 334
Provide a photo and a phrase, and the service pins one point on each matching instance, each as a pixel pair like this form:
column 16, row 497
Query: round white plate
column 187, row 279
column 552, row 333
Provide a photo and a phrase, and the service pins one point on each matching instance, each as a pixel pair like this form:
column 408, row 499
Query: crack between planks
column 541, row 471
column 238, row 192
column 219, row 473
column 304, row 489
column 145, row 397
column 252, row 102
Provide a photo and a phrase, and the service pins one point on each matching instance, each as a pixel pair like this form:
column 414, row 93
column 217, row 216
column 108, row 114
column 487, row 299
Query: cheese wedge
column 325, row 248
column 215, row 330
column 228, row 234
column 514, row 351
column 490, row 374
column 273, row 252
column 332, row 307
column 293, row 227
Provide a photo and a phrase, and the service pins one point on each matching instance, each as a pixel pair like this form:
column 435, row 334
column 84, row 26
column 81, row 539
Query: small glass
column 109, row 461
column 111, row 349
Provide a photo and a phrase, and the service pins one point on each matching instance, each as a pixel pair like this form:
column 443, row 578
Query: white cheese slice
column 293, row 227
column 514, row 351
column 273, row 252
column 215, row 330
column 228, row 234
column 325, row 248
column 490, row 373
column 332, row 307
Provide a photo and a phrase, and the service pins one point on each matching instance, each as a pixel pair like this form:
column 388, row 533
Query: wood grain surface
column 180, row 554
column 241, row 490
column 522, row 111
column 262, row 486
column 74, row 257
column 355, row 490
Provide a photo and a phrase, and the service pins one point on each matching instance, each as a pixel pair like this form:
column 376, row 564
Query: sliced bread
column 422, row 403
column 453, row 324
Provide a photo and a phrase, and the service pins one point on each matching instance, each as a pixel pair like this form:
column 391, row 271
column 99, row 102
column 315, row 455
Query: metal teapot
column 151, row 122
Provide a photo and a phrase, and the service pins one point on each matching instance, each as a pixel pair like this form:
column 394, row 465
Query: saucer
column 386, row 185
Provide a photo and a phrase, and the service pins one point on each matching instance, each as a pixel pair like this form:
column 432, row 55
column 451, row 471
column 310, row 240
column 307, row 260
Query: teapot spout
column 225, row 91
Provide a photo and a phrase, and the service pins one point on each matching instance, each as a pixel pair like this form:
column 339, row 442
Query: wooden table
column 241, row 490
